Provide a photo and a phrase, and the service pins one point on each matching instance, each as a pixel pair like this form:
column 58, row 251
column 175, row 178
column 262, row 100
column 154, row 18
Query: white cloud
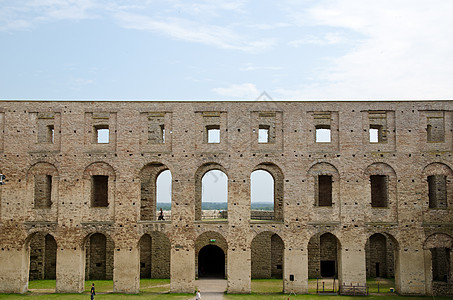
column 251, row 67
column 406, row 52
column 208, row 7
column 191, row 31
column 239, row 91
column 26, row 14
column 330, row 38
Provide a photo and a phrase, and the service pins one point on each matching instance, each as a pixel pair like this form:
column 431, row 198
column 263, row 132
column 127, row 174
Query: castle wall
column 415, row 142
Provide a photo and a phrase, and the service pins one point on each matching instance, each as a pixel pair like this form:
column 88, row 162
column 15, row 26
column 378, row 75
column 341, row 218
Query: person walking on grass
column 92, row 292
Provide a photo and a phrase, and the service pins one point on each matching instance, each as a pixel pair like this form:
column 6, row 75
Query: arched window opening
column 262, row 195
column 163, row 195
column 155, row 192
column 266, row 185
column 214, row 195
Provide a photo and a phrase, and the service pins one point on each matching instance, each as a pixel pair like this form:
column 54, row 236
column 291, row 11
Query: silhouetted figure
column 161, row 215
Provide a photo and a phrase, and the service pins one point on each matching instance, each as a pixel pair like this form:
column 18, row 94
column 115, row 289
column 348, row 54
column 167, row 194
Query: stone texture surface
column 58, row 139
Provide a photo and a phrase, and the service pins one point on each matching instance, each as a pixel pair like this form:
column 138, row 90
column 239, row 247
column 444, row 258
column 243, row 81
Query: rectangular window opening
column 43, row 191
column 102, row 134
column 325, row 190
column 50, row 134
column 435, row 130
column 162, row 133
column 263, row 134
column 437, row 191
column 379, row 190
column 213, row 133
column 323, row 134
column 99, row 191
column 376, row 135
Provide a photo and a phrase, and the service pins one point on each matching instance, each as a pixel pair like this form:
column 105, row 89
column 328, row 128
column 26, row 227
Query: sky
column 226, row 50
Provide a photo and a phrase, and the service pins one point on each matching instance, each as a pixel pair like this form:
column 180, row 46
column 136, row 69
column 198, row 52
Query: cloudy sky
column 222, row 50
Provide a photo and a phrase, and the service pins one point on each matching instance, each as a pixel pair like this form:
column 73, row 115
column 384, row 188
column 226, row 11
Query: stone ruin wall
column 50, row 155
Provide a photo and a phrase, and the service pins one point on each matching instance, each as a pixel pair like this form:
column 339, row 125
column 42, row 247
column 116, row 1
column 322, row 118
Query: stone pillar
column 182, row 269
column 126, row 271
column 295, row 270
column 428, row 272
column 239, row 270
column 239, row 267
column 352, row 264
column 70, row 270
column 14, row 270
column 411, row 269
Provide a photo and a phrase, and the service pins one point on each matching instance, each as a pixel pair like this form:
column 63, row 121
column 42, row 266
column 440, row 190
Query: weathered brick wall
column 413, row 147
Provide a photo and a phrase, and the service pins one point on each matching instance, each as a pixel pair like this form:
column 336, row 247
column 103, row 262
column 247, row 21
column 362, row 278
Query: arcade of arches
column 349, row 207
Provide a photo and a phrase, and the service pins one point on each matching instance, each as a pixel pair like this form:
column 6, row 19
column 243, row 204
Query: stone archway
column 43, row 256
column 211, row 262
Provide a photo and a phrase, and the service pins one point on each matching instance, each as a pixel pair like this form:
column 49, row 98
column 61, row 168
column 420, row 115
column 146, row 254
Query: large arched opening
column 211, row 192
column 267, row 251
column 266, row 182
column 154, row 255
column 43, row 256
column 438, row 252
column 323, row 256
column 262, row 195
column 155, row 192
column 211, row 262
column 380, row 256
column 99, row 257
column 211, row 255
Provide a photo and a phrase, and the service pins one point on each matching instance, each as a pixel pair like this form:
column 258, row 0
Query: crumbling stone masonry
column 360, row 189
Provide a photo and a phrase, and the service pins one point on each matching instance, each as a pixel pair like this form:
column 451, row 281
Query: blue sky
column 226, row 50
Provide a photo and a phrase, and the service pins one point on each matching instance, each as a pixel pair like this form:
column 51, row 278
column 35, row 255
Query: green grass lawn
column 105, row 286
column 267, row 286
column 265, row 289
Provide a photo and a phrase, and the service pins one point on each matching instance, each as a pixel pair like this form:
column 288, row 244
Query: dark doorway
column 378, row 274
column 211, row 262
column 327, row 268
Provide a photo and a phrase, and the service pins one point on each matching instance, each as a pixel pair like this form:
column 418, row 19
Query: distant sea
column 222, row 206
